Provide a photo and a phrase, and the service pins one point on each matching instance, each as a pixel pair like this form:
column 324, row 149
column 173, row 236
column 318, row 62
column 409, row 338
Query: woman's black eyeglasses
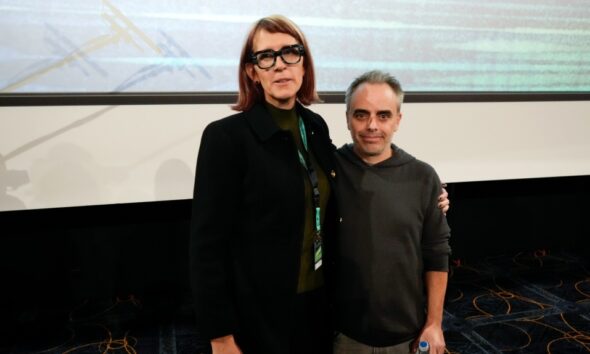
column 266, row 59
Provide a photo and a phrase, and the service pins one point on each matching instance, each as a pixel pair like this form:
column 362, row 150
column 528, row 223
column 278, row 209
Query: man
column 392, row 249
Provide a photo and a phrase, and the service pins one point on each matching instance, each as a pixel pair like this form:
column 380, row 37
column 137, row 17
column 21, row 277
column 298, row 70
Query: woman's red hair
column 250, row 92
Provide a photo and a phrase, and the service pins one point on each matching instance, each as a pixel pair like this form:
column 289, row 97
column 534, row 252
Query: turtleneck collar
column 285, row 118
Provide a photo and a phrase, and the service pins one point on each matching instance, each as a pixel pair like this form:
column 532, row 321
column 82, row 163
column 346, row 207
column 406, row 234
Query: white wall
column 87, row 155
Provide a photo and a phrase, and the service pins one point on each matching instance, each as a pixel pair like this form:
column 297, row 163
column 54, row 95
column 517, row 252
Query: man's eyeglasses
column 266, row 59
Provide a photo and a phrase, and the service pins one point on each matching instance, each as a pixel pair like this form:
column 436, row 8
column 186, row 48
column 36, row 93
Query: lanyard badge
column 317, row 251
column 317, row 242
column 313, row 178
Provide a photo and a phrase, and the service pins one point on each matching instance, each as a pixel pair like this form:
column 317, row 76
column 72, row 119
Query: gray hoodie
column 390, row 233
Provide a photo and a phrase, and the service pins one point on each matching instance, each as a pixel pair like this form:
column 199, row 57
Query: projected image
column 180, row 46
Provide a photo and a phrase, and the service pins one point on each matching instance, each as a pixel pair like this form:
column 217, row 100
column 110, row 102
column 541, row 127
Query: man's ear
column 347, row 121
column 399, row 119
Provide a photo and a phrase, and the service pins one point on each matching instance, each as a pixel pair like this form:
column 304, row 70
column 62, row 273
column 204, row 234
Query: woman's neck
column 287, row 103
column 280, row 109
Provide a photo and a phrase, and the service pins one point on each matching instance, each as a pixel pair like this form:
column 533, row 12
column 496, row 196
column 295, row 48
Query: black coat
column 247, row 226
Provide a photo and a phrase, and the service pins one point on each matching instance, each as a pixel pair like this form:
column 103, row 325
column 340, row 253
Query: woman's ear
column 251, row 72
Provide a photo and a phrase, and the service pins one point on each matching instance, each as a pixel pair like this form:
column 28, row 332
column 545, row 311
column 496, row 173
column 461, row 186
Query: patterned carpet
column 126, row 325
column 530, row 302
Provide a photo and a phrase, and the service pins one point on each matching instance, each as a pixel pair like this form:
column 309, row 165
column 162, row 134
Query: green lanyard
column 313, row 178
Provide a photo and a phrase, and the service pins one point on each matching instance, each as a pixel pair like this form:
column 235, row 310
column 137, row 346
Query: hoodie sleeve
column 436, row 232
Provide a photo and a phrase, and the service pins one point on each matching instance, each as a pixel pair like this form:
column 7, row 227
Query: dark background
column 66, row 268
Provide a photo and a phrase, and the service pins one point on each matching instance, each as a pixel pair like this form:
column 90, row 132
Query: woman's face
column 282, row 81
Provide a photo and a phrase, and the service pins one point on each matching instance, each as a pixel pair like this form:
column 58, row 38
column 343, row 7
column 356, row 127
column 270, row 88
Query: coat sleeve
column 215, row 201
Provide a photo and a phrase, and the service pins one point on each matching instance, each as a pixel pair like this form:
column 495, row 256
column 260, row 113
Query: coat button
column 340, row 219
column 333, row 174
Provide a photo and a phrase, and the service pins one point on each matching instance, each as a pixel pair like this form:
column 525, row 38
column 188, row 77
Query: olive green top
column 309, row 278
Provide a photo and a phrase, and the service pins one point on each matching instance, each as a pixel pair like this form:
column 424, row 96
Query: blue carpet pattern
column 530, row 302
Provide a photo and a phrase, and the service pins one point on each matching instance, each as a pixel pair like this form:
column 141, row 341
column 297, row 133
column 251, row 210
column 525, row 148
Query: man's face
column 372, row 119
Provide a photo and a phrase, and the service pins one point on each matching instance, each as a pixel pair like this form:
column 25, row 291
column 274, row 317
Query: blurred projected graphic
column 193, row 46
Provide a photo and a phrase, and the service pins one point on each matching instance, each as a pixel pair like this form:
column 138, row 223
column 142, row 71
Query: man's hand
column 434, row 336
column 225, row 345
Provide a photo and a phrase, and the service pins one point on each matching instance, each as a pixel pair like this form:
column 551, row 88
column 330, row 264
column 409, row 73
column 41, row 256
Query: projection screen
column 76, row 155
column 171, row 46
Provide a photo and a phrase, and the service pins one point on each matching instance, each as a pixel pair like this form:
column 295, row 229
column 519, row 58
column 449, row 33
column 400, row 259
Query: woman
column 262, row 191
column 262, row 178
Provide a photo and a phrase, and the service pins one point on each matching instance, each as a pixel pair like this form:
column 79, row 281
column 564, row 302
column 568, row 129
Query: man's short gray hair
column 375, row 77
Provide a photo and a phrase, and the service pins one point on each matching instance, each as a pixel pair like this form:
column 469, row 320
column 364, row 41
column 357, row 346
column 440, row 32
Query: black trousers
column 311, row 329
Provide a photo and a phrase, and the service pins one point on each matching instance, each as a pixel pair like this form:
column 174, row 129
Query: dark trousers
column 312, row 333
